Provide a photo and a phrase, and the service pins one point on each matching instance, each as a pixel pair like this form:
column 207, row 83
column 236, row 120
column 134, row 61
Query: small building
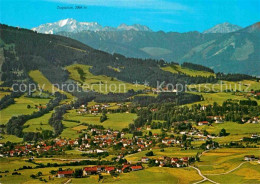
column 201, row 123
column 67, row 173
column 136, row 168
column 145, row 159
column 249, row 157
column 109, row 169
column 90, row 170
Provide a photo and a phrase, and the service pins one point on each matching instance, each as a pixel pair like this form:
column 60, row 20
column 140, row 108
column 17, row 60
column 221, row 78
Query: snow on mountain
column 71, row 25
column 223, row 28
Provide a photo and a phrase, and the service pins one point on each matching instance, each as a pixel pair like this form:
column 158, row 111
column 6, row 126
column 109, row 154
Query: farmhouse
column 68, row 173
column 145, row 160
column 136, row 168
column 203, row 123
column 249, row 157
column 109, row 169
column 90, row 170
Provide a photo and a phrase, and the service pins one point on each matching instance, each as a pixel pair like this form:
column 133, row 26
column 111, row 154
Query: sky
column 165, row 15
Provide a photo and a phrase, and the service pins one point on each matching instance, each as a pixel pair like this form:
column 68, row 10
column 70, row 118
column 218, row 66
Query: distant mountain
column 223, row 28
column 71, row 25
column 235, row 52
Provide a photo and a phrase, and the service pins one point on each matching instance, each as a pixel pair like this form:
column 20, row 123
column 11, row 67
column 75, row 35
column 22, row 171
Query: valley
column 96, row 134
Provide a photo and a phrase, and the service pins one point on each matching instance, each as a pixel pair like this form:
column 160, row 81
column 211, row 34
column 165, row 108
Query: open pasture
column 170, row 152
column 223, row 160
column 236, row 131
column 20, row 108
column 187, row 71
column 38, row 124
column 116, row 121
column 92, row 82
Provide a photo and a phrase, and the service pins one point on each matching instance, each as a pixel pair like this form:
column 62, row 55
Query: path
column 228, row 171
column 204, row 177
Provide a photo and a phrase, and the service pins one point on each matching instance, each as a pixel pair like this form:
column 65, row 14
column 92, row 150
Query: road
column 204, row 177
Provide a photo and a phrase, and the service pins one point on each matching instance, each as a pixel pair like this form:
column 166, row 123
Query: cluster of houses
column 96, row 109
column 107, row 138
column 215, row 119
column 164, row 161
column 94, row 170
column 98, row 142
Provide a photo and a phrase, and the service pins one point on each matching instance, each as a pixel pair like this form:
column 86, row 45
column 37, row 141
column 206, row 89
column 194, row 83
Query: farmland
column 92, row 82
column 169, row 152
column 115, row 121
column 45, row 84
column 160, row 175
column 20, row 108
column 237, row 131
column 38, row 124
column 187, row 71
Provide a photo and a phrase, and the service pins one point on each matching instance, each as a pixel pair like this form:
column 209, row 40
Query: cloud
column 137, row 4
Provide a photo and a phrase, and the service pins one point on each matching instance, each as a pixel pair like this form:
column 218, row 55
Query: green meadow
column 91, row 82
column 170, row 152
column 20, row 108
column 3, row 93
column 187, row 71
column 248, row 173
column 223, row 160
column 158, row 175
column 10, row 138
column 116, row 121
column 161, row 175
column 45, row 84
column 38, row 124
column 236, row 131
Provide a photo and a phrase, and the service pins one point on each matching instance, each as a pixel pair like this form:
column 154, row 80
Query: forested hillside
column 25, row 50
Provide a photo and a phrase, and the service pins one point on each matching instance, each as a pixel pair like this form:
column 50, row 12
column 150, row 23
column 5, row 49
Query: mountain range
column 225, row 47
column 71, row 25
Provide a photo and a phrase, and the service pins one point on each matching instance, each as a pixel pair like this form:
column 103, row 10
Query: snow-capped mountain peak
column 71, row 25
column 223, row 28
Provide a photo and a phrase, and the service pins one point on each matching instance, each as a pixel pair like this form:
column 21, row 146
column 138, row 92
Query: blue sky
column 166, row 15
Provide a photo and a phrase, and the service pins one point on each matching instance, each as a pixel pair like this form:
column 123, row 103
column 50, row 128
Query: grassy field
column 187, row 71
column 15, row 163
column 115, row 121
column 45, row 84
column 91, row 82
column 237, row 131
column 248, row 173
column 10, row 138
column 210, row 98
column 20, row 108
column 222, row 86
column 158, row 175
column 38, row 124
column 3, row 93
column 217, row 161
column 170, row 152
column 223, row 160
column 68, row 131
